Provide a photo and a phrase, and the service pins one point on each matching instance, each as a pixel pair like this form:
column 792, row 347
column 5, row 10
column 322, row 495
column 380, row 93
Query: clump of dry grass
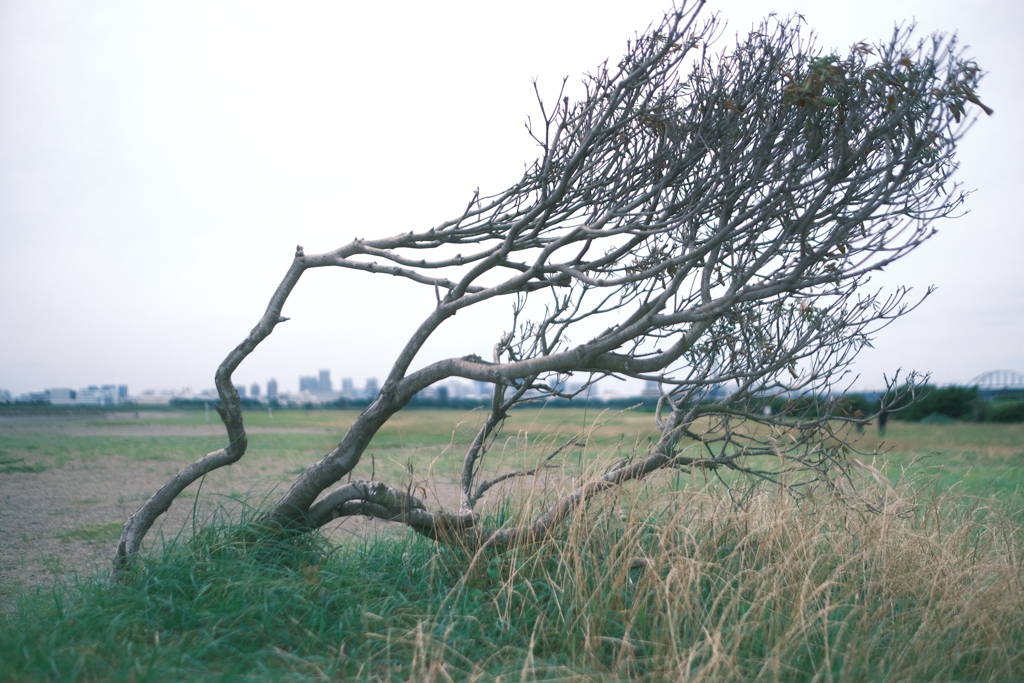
column 878, row 584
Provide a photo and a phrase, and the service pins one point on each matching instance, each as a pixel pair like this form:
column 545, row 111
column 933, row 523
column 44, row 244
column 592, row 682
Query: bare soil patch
column 65, row 520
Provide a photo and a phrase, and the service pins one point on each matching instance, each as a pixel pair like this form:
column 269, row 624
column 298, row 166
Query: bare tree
column 703, row 221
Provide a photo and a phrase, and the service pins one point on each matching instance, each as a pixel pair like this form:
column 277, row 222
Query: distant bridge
column 996, row 381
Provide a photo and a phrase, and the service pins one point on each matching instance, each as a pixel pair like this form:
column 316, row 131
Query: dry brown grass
column 878, row 585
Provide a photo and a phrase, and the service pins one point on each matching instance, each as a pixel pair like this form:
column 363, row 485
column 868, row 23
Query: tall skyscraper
column 271, row 389
column 348, row 389
column 325, row 382
column 254, row 390
column 372, row 389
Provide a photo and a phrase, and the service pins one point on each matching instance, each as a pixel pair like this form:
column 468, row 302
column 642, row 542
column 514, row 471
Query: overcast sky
column 160, row 161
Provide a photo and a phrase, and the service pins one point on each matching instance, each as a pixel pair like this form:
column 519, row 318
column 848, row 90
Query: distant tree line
column 956, row 402
column 959, row 403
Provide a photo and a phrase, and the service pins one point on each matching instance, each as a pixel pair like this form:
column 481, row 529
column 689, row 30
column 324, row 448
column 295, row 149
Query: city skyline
column 115, row 394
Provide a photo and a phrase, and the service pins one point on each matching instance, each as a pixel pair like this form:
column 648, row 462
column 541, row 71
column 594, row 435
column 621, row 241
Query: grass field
column 977, row 458
column 921, row 579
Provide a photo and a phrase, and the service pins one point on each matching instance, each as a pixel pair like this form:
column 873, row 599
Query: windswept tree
column 700, row 220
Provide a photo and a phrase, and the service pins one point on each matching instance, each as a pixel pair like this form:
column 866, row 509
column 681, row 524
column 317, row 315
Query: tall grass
column 644, row 585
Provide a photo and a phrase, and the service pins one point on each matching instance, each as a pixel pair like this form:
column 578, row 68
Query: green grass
column 97, row 533
column 54, row 449
column 976, row 459
column 16, row 465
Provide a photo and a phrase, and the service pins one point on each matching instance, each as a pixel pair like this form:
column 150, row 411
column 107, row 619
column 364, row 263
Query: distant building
column 105, row 395
column 318, row 388
column 240, row 390
column 271, row 389
column 5, row 396
column 289, row 399
column 651, row 390
column 254, row 390
column 371, row 389
column 153, row 398
column 60, row 396
column 348, row 389
column 325, row 382
column 93, row 395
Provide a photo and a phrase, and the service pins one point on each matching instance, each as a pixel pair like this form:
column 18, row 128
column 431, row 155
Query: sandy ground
column 45, row 516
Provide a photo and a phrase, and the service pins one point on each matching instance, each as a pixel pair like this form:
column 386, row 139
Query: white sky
column 160, row 161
